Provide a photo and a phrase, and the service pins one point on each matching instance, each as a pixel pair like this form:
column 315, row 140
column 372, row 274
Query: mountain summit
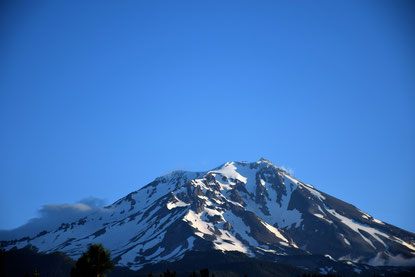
column 255, row 208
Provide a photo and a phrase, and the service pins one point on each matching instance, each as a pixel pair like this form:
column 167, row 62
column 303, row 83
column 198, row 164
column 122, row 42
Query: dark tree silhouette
column 169, row 274
column 36, row 273
column 93, row 263
column 204, row 273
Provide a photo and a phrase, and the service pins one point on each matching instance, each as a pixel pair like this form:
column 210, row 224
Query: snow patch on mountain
column 358, row 227
column 229, row 171
column 178, row 203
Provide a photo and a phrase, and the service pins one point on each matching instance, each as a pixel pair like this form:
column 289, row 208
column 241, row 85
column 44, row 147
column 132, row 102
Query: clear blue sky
column 99, row 99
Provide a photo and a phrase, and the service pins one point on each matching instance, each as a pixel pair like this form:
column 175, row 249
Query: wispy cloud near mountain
column 51, row 216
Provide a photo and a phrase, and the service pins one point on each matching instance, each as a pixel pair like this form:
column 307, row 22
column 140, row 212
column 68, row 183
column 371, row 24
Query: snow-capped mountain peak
column 255, row 208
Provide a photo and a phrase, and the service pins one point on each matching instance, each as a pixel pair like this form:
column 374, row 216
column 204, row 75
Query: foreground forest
column 28, row 262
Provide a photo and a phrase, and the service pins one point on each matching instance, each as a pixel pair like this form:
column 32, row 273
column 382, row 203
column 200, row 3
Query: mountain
column 254, row 208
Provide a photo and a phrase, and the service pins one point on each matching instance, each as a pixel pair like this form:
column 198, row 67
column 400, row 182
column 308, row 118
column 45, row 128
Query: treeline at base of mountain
column 205, row 273
column 96, row 261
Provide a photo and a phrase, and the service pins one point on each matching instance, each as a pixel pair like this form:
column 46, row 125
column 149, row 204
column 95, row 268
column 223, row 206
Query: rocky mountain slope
column 253, row 208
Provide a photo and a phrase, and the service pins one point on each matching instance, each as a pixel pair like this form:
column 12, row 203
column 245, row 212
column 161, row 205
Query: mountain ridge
column 254, row 208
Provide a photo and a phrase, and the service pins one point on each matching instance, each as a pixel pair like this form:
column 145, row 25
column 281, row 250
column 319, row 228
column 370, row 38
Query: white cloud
column 51, row 216
column 397, row 260
column 288, row 169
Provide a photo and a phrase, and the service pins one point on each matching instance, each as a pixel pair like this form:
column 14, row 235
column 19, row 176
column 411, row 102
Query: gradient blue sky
column 99, row 99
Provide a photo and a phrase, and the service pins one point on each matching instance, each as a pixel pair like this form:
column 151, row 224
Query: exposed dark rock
column 227, row 226
column 215, row 218
column 99, row 232
column 234, row 196
column 198, row 191
column 82, row 221
column 209, row 237
column 197, row 205
column 183, row 197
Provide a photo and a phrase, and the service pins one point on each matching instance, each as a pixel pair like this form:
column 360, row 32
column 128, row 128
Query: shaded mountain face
column 254, row 208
